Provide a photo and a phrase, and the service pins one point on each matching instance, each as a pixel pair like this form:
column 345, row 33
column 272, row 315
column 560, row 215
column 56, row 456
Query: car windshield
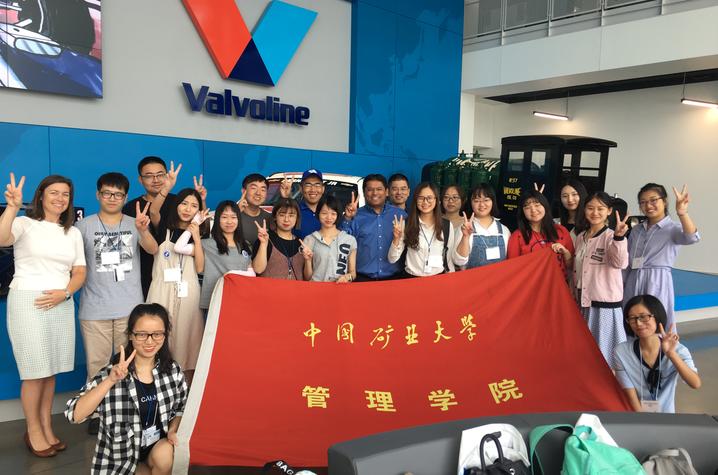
column 342, row 190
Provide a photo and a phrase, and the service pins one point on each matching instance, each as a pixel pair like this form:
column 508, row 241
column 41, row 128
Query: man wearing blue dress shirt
column 372, row 226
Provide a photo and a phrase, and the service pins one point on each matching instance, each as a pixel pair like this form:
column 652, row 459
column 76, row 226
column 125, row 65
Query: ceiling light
column 693, row 102
column 548, row 115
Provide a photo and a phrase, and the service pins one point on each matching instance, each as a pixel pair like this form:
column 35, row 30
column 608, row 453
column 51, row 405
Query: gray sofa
column 434, row 449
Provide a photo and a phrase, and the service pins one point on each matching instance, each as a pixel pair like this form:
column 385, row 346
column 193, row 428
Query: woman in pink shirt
column 600, row 256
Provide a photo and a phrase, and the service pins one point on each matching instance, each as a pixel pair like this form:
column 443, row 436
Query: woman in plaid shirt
column 140, row 399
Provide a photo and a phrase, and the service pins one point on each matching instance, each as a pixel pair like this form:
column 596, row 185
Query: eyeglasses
column 312, row 185
column 425, row 199
column 452, row 198
column 112, row 194
column 639, row 318
column 651, row 202
column 142, row 336
column 154, row 176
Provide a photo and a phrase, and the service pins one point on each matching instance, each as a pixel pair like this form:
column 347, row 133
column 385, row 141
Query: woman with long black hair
column 140, row 397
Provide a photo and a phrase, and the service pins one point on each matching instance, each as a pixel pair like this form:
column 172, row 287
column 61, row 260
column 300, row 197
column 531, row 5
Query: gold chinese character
column 412, row 338
column 468, row 323
column 316, row 397
column 380, row 400
column 312, row 332
column 382, row 335
column 345, row 332
column 440, row 332
column 504, row 390
column 442, row 399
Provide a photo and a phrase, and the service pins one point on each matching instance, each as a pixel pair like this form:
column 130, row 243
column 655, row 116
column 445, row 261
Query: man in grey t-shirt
column 113, row 286
column 254, row 193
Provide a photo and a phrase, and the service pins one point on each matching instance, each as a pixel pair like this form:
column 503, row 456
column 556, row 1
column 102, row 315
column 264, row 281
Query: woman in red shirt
column 537, row 230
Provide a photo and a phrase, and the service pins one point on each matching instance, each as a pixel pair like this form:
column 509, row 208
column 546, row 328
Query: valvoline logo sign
column 260, row 56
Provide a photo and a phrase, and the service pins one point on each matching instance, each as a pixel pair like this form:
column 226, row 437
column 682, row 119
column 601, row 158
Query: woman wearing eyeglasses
column 140, row 397
column 536, row 230
column 427, row 238
column 648, row 364
column 486, row 236
column 452, row 202
column 653, row 245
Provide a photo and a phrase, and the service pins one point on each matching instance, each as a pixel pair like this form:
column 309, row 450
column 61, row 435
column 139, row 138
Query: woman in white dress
column 49, row 268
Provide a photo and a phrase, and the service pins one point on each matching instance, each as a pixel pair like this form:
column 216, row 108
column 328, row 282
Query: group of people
column 138, row 265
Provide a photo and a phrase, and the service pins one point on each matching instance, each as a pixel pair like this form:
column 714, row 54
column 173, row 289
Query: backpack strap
column 538, row 433
column 445, row 230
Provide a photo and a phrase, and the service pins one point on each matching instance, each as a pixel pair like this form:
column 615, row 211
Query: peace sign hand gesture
column 350, row 210
column 142, row 219
column 398, row 229
column 669, row 341
column 467, row 227
column 200, row 216
column 13, row 193
column 243, row 203
column 119, row 371
column 682, row 200
column 262, row 233
column 199, row 187
column 540, row 190
column 285, row 187
column 171, row 180
column 621, row 225
column 306, row 251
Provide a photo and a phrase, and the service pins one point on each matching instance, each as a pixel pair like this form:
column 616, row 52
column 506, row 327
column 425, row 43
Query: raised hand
column 398, row 228
column 306, row 251
column 467, row 227
column 171, row 180
column 669, row 341
column 243, row 203
column 682, row 200
column 540, row 190
column 262, row 233
column 199, row 187
column 350, row 210
column 13, row 192
column 201, row 216
column 193, row 229
column 119, row 371
column 285, row 187
column 621, row 225
column 142, row 219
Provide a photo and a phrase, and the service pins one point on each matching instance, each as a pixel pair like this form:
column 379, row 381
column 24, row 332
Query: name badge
column 493, row 253
column 150, row 436
column 109, row 258
column 173, row 274
column 637, row 263
column 182, row 289
column 435, row 261
column 119, row 274
column 650, row 406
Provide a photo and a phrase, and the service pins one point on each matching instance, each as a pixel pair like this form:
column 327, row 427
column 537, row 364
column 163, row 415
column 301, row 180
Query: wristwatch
column 67, row 294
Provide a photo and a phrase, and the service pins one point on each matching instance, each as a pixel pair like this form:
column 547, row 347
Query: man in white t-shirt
column 113, row 286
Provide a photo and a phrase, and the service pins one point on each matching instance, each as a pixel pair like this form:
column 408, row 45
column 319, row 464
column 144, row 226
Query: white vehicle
column 335, row 184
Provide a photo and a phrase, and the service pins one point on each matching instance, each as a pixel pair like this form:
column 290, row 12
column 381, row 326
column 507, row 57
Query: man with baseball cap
column 312, row 186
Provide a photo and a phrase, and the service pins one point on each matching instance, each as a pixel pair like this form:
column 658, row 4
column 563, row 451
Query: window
column 516, row 161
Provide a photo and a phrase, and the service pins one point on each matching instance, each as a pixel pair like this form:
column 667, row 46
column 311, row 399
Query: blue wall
column 405, row 93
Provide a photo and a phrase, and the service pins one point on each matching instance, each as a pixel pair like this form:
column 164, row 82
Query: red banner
column 298, row 366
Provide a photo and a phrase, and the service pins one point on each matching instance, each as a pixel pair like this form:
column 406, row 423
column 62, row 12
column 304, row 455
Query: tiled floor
column 700, row 337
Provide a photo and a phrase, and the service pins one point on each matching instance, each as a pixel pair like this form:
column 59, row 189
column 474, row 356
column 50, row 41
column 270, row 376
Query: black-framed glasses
column 425, row 199
column 639, row 318
column 651, row 201
column 142, row 336
column 154, row 176
column 112, row 194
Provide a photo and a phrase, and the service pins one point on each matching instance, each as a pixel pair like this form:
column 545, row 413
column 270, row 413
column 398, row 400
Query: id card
column 435, row 261
column 493, row 253
column 637, row 263
column 173, row 274
column 150, row 436
column 119, row 274
column 650, row 406
column 109, row 258
column 182, row 289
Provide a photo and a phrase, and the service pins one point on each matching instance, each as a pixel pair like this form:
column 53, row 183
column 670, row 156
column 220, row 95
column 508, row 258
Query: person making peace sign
column 653, row 245
column 140, row 399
